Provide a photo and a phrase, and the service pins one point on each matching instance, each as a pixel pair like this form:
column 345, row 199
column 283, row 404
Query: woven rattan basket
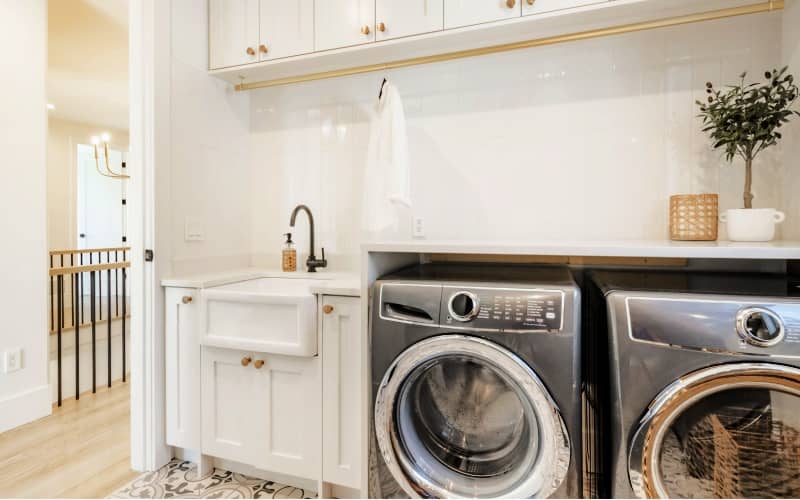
column 693, row 217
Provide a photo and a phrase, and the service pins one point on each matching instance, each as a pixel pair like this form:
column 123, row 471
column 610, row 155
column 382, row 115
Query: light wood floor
column 82, row 450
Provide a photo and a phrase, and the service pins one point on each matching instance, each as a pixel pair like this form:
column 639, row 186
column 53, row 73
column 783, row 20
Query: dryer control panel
column 503, row 309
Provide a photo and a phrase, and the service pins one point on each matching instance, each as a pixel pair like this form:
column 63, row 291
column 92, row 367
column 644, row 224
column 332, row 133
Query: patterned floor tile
column 178, row 479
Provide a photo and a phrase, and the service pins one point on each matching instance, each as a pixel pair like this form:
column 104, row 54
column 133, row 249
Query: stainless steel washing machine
column 705, row 384
column 476, row 383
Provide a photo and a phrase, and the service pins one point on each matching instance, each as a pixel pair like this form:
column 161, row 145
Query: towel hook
column 380, row 91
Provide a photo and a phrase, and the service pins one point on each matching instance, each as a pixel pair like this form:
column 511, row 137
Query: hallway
column 82, row 450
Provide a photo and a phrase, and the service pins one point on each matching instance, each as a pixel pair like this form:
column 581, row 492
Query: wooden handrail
column 56, row 271
column 89, row 250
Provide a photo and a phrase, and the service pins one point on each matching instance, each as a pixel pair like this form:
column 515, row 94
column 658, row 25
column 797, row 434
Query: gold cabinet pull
column 531, row 2
column 381, row 27
column 246, row 360
column 511, row 3
column 258, row 363
column 365, row 30
column 251, row 51
column 187, row 299
column 263, row 49
column 327, row 308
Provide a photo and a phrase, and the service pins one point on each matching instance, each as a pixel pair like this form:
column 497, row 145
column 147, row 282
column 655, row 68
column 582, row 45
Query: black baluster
column 108, row 276
column 124, row 311
column 100, row 285
column 80, row 291
column 77, row 348
column 61, row 314
column 116, row 286
column 94, row 330
column 52, row 305
column 59, row 282
column 72, row 288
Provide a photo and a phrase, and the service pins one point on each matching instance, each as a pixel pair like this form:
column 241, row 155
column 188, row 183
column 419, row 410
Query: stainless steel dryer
column 705, row 384
column 475, row 376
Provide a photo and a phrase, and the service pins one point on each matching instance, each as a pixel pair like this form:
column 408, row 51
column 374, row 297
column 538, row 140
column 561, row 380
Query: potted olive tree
column 744, row 120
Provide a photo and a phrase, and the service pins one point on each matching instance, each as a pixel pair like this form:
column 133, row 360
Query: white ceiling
column 87, row 77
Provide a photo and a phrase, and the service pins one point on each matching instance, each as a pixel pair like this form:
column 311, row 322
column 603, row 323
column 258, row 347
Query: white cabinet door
column 289, row 415
column 342, row 23
column 232, row 32
column 530, row 7
column 287, row 28
column 232, row 404
column 341, row 391
column 182, row 367
column 466, row 12
column 397, row 18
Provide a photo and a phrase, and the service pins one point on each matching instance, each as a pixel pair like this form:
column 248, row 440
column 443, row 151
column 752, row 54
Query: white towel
column 387, row 195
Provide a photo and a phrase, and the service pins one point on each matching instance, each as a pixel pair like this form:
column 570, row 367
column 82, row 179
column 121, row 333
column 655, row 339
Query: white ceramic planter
column 752, row 224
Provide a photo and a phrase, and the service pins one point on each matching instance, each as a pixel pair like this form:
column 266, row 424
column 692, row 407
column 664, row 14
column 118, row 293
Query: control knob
column 463, row 306
column 759, row 327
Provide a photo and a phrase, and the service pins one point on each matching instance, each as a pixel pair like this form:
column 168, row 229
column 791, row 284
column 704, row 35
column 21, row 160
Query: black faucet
column 312, row 262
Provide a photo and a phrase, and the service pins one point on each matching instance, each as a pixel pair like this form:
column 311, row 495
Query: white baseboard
column 25, row 407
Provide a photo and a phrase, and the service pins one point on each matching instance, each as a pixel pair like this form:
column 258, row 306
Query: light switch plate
column 12, row 360
column 194, row 229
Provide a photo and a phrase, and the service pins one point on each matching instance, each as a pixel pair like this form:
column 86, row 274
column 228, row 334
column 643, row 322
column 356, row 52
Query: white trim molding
column 24, row 407
column 150, row 53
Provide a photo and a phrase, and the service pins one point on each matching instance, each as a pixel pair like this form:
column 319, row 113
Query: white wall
column 63, row 138
column 791, row 157
column 24, row 395
column 210, row 164
column 583, row 141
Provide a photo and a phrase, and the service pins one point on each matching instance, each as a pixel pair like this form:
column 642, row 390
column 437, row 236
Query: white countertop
column 621, row 248
column 325, row 283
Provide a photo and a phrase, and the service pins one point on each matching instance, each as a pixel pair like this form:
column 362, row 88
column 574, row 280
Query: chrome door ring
column 643, row 454
column 552, row 462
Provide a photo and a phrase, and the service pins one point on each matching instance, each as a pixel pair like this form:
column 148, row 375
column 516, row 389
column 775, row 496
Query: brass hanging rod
column 764, row 6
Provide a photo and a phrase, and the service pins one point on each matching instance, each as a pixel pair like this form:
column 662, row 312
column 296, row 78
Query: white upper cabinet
column 342, row 23
column 287, row 28
column 467, row 12
column 398, row 18
column 530, row 7
column 232, row 32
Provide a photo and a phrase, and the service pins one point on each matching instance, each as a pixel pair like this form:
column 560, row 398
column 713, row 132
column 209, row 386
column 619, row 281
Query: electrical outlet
column 419, row 227
column 12, row 360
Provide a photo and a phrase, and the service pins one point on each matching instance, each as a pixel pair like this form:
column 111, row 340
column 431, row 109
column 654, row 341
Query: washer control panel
column 503, row 309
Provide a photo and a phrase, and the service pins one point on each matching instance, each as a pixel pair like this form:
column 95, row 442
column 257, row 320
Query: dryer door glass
column 734, row 436
column 462, row 416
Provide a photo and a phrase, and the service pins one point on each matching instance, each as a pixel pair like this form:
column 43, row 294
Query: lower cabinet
column 342, row 416
column 182, row 352
column 292, row 415
column 262, row 410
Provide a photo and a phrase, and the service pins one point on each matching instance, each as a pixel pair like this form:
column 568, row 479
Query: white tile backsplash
column 582, row 141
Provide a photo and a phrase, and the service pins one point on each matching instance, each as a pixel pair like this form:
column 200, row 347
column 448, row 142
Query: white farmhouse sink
column 272, row 315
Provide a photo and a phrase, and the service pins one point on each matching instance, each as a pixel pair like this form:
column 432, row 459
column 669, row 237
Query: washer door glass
column 734, row 433
column 462, row 416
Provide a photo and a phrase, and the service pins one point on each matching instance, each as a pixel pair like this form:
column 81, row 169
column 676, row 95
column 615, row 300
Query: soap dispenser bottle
column 289, row 261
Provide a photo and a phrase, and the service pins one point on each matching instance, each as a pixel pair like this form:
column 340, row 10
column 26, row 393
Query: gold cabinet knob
column 365, row 30
column 511, row 3
column 531, row 2
column 327, row 308
column 381, row 27
column 251, row 51
column 263, row 49
column 258, row 363
column 187, row 299
column 246, row 360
